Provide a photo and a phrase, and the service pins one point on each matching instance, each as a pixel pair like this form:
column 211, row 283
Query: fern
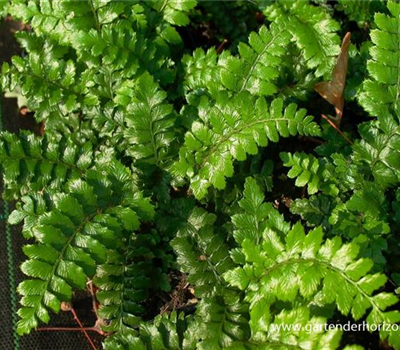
column 175, row 12
column 173, row 332
column 257, row 67
column 201, row 253
column 201, row 72
column 221, row 136
column 167, row 170
column 150, row 121
column 313, row 31
column 381, row 91
column 322, row 272
column 74, row 234
column 42, row 163
column 47, row 80
column 378, row 149
column 127, row 279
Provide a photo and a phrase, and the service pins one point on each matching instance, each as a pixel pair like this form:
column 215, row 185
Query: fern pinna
column 162, row 158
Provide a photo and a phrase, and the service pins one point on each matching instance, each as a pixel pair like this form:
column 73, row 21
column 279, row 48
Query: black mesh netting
column 9, row 268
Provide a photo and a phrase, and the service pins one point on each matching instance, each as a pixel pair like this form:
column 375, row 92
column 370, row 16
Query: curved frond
column 33, row 163
column 257, row 68
column 230, row 129
column 73, row 236
column 150, row 122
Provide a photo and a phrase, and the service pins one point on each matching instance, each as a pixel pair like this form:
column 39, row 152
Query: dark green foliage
column 191, row 186
column 40, row 164
column 74, row 234
column 381, row 90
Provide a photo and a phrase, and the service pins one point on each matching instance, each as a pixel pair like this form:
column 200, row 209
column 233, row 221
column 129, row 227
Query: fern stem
column 265, row 49
column 96, row 18
column 83, row 330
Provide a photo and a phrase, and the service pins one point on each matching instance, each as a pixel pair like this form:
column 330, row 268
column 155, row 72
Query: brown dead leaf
column 333, row 91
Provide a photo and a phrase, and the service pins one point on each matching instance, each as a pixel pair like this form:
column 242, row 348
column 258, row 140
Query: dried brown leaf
column 333, row 91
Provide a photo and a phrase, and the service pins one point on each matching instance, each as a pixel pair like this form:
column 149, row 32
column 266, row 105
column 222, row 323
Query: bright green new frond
column 309, row 171
column 380, row 96
column 31, row 163
column 202, row 253
column 230, row 129
column 312, row 30
column 258, row 66
column 202, row 73
column 307, row 266
column 149, row 120
column 290, row 329
column 73, row 236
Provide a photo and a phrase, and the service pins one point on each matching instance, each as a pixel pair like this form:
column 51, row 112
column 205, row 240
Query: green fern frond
column 48, row 82
column 311, row 172
column 201, row 73
column 258, row 66
column 173, row 332
column 127, row 279
column 150, row 122
column 175, row 12
column 256, row 215
column 61, row 19
column 202, row 253
column 32, row 163
column 379, row 151
column 109, row 123
column 312, row 30
column 119, row 47
column 315, row 211
column 224, row 321
column 72, row 237
column 380, row 95
column 230, row 129
column 306, row 266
